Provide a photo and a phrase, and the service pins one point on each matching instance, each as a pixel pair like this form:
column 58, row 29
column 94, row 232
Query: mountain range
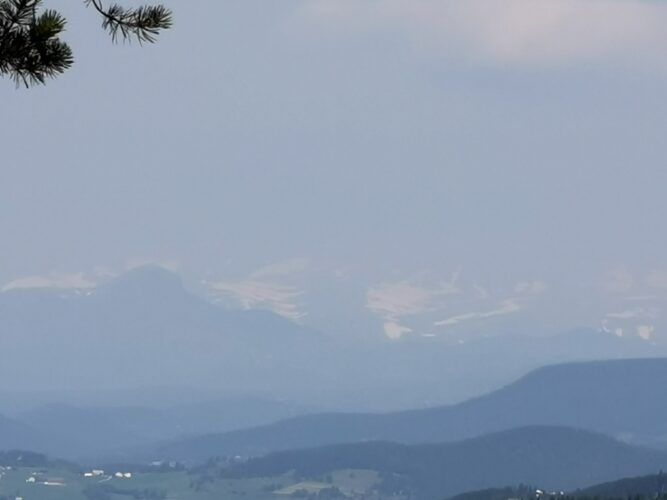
column 145, row 331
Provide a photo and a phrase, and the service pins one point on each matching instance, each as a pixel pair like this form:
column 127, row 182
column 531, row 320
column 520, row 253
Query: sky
column 452, row 161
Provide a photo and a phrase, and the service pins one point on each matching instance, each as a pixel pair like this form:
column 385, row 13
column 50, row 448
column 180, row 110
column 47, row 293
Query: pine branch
column 30, row 50
column 143, row 23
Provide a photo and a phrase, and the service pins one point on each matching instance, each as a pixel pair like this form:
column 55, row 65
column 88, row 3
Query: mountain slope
column 612, row 397
column 553, row 457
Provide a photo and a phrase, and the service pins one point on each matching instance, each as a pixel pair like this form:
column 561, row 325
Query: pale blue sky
column 387, row 142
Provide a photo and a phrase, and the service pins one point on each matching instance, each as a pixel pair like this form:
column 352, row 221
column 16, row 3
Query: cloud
column 523, row 291
column 253, row 294
column 265, row 288
column 418, row 304
column 507, row 307
column 638, row 312
column 645, row 331
column 63, row 281
column 395, row 331
column 395, row 301
column 629, row 319
column 507, row 32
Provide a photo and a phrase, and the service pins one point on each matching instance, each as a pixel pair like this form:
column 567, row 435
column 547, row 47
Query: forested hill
column 554, row 457
column 648, row 486
column 652, row 486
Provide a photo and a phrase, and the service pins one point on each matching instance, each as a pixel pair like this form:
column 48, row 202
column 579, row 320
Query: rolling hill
column 617, row 398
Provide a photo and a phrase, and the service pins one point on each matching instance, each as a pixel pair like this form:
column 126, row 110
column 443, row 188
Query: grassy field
column 13, row 483
column 174, row 485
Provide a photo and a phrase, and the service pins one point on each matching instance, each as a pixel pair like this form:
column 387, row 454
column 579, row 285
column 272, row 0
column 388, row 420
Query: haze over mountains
column 169, row 339
column 257, row 375
column 280, row 393
column 334, row 250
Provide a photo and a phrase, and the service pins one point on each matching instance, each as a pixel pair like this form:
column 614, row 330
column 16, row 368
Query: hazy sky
column 516, row 145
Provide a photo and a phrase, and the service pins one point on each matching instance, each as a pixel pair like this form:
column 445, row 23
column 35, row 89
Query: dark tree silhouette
column 31, row 50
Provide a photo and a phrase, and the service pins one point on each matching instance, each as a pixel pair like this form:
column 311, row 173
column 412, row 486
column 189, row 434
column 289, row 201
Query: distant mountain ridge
column 617, row 398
